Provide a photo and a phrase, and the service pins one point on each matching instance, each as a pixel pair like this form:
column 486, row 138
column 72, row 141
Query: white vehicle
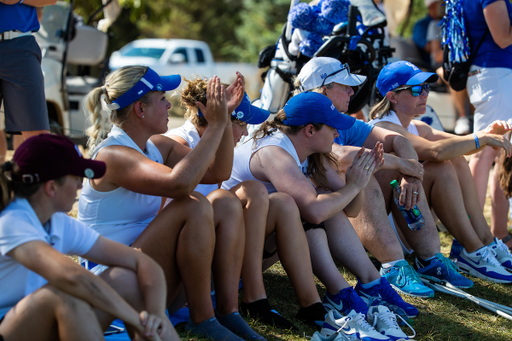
column 185, row 57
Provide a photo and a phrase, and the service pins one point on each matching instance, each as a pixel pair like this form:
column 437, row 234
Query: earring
column 142, row 116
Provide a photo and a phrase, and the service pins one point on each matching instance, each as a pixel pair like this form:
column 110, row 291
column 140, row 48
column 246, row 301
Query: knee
column 440, row 169
column 284, row 204
column 61, row 302
column 225, row 203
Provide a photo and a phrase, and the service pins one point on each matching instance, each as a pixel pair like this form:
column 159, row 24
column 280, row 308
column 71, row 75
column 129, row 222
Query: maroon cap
column 47, row 157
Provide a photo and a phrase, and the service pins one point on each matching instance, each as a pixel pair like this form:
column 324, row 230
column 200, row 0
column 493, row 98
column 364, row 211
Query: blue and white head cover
column 248, row 113
column 313, row 107
column 151, row 81
column 402, row 73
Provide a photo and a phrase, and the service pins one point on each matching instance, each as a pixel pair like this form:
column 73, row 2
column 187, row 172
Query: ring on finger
column 366, row 167
column 415, row 193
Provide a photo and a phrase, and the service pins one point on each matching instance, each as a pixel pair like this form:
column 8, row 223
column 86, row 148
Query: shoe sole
column 409, row 294
column 475, row 273
column 437, row 280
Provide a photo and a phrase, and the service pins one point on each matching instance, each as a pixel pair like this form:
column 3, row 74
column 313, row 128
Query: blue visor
column 151, row 81
column 248, row 113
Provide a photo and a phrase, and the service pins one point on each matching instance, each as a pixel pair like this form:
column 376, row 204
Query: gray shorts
column 22, row 85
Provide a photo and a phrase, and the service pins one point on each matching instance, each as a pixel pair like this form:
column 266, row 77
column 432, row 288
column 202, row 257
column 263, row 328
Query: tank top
column 120, row 215
column 243, row 154
column 189, row 133
column 393, row 118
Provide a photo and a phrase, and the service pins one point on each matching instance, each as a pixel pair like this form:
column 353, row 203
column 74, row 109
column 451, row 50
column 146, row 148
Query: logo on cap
column 414, row 67
column 89, row 173
column 159, row 87
column 239, row 115
column 323, row 75
column 333, row 107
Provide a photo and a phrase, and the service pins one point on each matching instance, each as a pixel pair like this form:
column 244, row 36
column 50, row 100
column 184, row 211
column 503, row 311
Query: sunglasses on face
column 344, row 67
column 416, row 90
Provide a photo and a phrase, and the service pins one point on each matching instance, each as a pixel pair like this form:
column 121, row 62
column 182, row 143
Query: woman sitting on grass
column 264, row 215
column 188, row 238
column 449, row 186
column 47, row 296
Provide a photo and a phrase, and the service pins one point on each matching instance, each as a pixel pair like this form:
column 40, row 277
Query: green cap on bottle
column 394, row 184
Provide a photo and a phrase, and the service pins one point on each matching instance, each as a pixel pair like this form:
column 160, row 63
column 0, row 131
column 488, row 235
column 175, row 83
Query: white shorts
column 489, row 92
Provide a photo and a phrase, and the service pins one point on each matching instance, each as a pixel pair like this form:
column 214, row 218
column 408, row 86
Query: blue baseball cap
column 313, row 107
column 151, row 81
column 248, row 113
column 402, row 73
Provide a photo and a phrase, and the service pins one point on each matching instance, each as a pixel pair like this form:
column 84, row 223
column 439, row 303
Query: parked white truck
column 71, row 47
column 185, row 57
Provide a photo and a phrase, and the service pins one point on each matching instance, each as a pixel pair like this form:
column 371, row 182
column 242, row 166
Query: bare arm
column 497, row 19
column 275, row 165
column 436, row 145
column 392, row 141
column 64, row 274
column 345, row 156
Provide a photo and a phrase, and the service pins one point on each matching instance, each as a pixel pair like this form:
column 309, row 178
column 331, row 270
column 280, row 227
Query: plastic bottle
column 413, row 217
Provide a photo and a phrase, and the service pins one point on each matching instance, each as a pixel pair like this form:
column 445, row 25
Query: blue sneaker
column 442, row 270
column 404, row 279
column 502, row 253
column 388, row 296
column 483, row 264
column 345, row 301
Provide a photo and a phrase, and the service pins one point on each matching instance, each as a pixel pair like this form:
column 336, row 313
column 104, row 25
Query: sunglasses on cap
column 416, row 90
column 345, row 67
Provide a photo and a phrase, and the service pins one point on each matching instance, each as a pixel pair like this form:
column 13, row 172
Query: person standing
column 489, row 78
column 21, row 77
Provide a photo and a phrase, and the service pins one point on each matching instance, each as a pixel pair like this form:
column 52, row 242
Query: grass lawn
column 443, row 317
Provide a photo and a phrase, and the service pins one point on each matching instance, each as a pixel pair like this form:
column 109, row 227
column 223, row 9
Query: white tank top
column 188, row 132
column 120, row 215
column 243, row 154
column 393, row 118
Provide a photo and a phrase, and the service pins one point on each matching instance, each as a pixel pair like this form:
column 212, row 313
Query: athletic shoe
column 442, row 270
column 334, row 337
column 345, row 301
column 484, row 265
column 462, row 126
column 456, row 249
column 502, row 253
column 388, row 296
column 353, row 325
column 404, row 279
column 385, row 323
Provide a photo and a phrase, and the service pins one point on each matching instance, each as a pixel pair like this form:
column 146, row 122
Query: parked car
column 185, row 57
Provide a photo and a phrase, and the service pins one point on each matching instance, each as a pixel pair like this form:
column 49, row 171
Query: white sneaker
column 483, row 264
column 334, row 337
column 502, row 253
column 354, row 326
column 384, row 321
column 462, row 126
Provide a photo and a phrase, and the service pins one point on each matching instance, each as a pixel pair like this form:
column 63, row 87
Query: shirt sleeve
column 14, row 231
column 355, row 136
column 434, row 32
column 79, row 238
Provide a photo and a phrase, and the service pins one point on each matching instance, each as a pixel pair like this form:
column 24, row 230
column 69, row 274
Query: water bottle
column 413, row 217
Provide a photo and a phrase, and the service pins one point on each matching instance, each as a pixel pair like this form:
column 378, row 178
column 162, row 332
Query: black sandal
column 506, row 239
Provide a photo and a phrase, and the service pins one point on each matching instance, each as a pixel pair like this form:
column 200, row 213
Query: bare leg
column 292, row 246
column 27, row 134
column 125, row 283
column 3, row 146
column 470, row 195
column 346, row 248
column 50, row 314
column 372, row 224
column 229, row 249
column 255, row 203
column 182, row 239
column 443, row 192
column 323, row 265
column 500, row 207
column 480, row 165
